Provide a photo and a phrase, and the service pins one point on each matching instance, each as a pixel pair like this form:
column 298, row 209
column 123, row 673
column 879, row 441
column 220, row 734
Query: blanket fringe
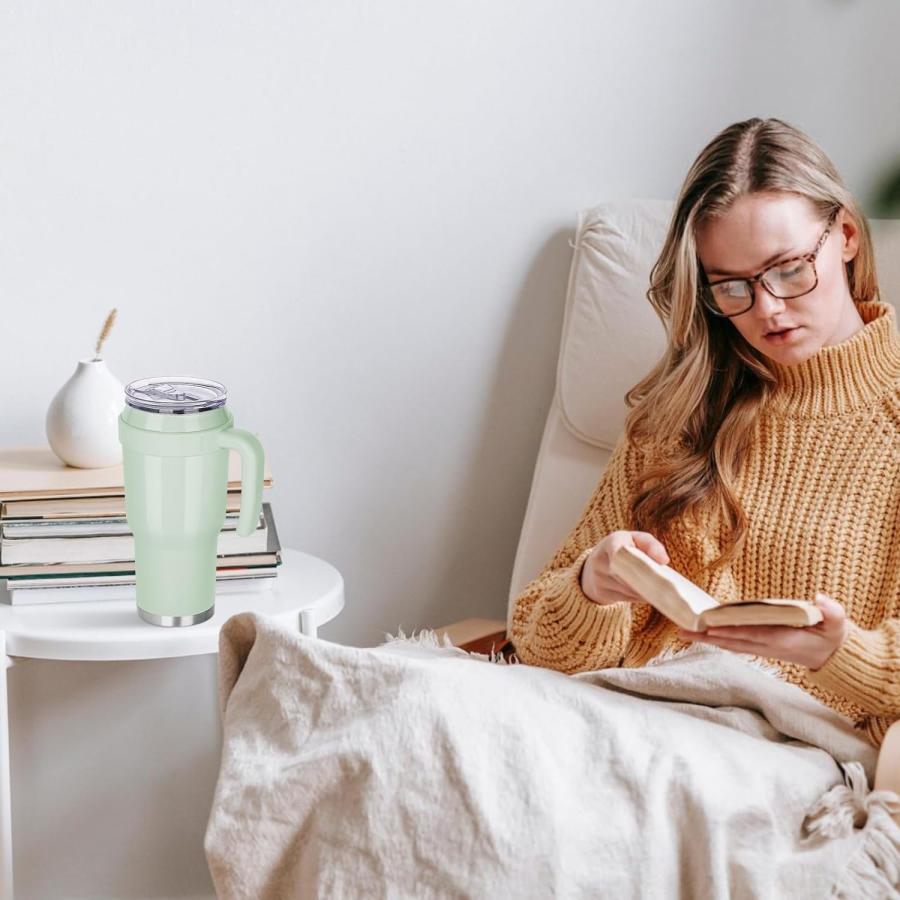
column 427, row 637
column 873, row 870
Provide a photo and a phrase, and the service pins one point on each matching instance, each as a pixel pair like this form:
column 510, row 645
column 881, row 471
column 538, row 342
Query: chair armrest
column 476, row 635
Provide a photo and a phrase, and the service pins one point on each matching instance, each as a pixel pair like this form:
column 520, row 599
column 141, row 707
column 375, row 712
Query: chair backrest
column 611, row 338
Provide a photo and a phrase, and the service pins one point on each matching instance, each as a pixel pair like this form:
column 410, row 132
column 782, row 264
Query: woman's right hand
column 598, row 583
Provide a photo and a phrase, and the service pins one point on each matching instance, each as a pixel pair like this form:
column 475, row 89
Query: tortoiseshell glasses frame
column 712, row 306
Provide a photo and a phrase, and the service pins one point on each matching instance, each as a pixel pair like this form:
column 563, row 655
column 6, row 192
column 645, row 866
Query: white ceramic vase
column 82, row 423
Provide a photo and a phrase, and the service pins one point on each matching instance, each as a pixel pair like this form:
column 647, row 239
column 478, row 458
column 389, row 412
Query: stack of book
column 64, row 535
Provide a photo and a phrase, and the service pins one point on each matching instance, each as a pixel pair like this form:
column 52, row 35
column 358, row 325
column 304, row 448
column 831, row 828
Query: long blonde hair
column 709, row 386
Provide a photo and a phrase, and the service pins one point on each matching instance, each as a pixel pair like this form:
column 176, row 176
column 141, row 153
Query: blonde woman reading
column 778, row 475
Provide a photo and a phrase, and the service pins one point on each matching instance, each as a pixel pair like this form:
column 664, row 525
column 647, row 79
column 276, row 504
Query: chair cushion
column 611, row 335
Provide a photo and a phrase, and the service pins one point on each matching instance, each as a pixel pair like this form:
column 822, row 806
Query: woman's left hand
column 809, row 646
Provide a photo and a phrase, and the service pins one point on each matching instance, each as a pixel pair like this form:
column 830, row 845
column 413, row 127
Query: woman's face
column 774, row 226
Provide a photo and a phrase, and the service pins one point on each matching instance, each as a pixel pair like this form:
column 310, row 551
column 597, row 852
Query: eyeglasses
column 787, row 279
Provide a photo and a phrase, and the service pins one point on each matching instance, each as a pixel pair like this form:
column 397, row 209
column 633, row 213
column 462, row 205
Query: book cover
column 36, row 472
column 60, row 509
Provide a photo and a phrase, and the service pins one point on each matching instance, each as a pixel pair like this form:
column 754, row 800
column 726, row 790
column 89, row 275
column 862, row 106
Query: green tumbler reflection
column 176, row 434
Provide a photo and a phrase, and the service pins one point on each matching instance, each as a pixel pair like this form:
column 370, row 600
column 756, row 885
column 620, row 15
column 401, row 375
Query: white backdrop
column 356, row 217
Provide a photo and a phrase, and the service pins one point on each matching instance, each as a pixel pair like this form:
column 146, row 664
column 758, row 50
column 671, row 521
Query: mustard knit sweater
column 821, row 490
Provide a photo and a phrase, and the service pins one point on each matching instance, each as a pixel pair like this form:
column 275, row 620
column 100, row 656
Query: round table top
column 305, row 587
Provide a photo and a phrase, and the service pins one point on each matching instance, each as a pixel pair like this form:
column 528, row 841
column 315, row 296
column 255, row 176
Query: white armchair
column 611, row 337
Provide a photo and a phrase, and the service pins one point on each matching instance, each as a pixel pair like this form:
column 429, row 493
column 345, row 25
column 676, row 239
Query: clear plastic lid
column 176, row 394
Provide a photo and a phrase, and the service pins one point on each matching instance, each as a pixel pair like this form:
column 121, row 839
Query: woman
column 779, row 396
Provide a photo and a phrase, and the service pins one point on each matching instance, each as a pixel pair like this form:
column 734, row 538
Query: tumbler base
column 175, row 621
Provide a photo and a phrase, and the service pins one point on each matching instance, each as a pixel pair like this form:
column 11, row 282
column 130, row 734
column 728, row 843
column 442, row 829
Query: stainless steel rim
column 175, row 621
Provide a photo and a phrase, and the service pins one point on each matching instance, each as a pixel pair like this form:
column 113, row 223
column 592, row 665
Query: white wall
column 356, row 217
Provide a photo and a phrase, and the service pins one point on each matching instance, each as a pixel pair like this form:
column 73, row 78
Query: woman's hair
column 710, row 384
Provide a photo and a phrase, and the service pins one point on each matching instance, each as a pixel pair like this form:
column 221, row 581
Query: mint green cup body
column 176, row 435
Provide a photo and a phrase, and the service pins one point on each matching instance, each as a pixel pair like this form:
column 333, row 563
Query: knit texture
column 821, row 490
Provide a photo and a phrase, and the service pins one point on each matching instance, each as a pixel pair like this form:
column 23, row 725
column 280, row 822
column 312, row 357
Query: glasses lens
column 730, row 297
column 792, row 279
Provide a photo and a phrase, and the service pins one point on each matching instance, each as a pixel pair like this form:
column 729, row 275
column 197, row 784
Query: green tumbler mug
column 176, row 434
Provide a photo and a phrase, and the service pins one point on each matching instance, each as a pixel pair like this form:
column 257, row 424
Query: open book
column 690, row 607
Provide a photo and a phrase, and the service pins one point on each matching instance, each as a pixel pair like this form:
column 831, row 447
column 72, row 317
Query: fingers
column 599, row 583
column 651, row 546
column 828, row 605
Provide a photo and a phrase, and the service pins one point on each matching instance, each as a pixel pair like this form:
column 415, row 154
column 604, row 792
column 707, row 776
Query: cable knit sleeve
column 554, row 623
column 865, row 669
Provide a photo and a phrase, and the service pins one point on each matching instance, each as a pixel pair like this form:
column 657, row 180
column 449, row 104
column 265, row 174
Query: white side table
column 306, row 593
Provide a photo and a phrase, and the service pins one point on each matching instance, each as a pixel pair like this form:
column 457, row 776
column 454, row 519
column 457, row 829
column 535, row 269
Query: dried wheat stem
column 107, row 325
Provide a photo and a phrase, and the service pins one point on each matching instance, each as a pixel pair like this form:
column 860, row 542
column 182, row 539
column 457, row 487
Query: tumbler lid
column 176, row 394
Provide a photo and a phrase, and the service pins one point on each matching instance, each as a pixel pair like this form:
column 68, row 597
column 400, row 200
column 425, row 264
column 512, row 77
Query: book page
column 653, row 576
column 692, row 594
column 798, row 615
column 769, row 601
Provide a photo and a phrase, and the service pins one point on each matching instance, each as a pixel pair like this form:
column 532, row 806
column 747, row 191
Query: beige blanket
column 414, row 770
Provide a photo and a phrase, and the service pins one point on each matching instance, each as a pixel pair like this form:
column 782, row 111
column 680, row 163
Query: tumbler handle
column 252, row 457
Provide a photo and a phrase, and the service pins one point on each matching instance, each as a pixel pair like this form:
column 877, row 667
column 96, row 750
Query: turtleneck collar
column 850, row 375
